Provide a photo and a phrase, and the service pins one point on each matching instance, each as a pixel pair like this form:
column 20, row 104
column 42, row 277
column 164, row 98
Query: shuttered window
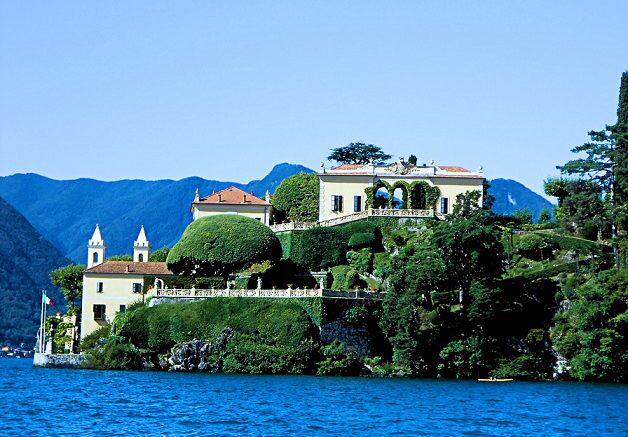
column 357, row 203
column 336, row 203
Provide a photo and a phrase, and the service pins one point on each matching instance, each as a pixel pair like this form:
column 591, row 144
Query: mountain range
column 26, row 259
column 512, row 196
column 66, row 211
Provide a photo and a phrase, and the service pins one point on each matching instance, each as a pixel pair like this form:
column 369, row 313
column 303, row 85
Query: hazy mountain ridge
column 65, row 212
column 26, row 259
column 512, row 196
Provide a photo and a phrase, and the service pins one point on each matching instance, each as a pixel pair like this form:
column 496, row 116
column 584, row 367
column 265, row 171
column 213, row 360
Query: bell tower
column 95, row 249
column 141, row 247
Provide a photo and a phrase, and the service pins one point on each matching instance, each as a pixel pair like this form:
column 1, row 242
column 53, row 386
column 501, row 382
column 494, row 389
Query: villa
column 233, row 200
column 353, row 188
column 347, row 192
column 110, row 287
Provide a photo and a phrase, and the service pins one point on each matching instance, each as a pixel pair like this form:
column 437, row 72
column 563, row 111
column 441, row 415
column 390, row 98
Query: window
column 95, row 258
column 336, row 203
column 357, row 203
column 99, row 287
column 122, row 308
column 444, row 205
column 137, row 287
column 99, row 312
column 140, row 257
column 258, row 219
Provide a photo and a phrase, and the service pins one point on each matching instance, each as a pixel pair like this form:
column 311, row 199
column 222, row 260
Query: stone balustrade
column 400, row 213
column 191, row 293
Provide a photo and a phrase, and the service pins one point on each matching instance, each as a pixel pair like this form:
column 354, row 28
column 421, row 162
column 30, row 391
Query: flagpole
column 41, row 322
column 43, row 329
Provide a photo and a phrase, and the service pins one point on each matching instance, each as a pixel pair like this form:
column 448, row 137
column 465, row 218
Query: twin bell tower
column 96, row 248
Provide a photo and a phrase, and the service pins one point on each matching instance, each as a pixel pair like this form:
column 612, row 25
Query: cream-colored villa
column 352, row 188
column 110, row 287
column 347, row 192
column 232, row 200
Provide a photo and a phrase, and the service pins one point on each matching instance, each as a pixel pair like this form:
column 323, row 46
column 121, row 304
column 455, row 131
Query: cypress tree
column 620, row 131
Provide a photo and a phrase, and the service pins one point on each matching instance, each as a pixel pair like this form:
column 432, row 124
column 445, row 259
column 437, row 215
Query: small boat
column 495, row 379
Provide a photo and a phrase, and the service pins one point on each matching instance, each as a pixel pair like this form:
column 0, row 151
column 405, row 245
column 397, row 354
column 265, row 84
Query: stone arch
column 401, row 185
column 374, row 202
column 418, row 195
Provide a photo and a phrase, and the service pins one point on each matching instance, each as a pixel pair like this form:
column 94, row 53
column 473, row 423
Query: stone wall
column 58, row 360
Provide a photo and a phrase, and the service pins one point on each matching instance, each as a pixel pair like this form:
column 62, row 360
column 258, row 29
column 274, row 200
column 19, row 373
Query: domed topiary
column 222, row 244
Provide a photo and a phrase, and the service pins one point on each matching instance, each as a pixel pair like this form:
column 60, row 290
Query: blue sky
column 225, row 90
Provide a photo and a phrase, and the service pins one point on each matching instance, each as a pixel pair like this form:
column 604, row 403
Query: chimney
column 219, row 197
column 244, row 197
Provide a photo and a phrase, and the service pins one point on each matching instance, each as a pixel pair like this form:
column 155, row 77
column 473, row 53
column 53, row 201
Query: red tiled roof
column 131, row 268
column 453, row 168
column 232, row 196
column 348, row 167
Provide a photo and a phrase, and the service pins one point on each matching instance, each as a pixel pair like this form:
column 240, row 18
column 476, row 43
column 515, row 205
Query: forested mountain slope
column 26, row 259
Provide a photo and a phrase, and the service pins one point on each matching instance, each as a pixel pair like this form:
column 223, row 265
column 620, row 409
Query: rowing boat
column 495, row 379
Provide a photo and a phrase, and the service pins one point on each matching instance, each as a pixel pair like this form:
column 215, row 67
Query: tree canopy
column 221, row 245
column 590, row 334
column 159, row 255
column 296, row 198
column 358, row 153
column 70, row 280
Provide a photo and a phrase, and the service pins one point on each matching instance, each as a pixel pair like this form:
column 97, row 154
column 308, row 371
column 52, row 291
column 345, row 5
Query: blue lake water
column 82, row 402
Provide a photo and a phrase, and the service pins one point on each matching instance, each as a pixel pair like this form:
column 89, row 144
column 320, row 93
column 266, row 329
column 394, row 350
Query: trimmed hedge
column 535, row 241
column 279, row 322
column 325, row 247
column 222, row 244
column 534, row 246
column 362, row 240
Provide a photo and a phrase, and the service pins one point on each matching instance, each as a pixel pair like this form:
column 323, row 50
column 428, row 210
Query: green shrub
column 318, row 248
column 95, row 338
column 222, row 244
column 382, row 264
column 324, row 247
column 283, row 273
column 362, row 260
column 114, row 354
column 159, row 255
column 339, row 274
column 253, row 355
column 534, row 246
column 339, row 362
column 120, row 258
column 361, row 240
column 346, row 278
column 296, row 198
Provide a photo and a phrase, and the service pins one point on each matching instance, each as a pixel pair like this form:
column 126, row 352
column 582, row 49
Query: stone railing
column 191, row 293
column 293, row 226
column 400, row 213
column 211, row 292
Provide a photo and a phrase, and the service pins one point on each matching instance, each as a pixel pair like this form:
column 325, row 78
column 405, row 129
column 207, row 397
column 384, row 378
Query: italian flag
column 47, row 300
